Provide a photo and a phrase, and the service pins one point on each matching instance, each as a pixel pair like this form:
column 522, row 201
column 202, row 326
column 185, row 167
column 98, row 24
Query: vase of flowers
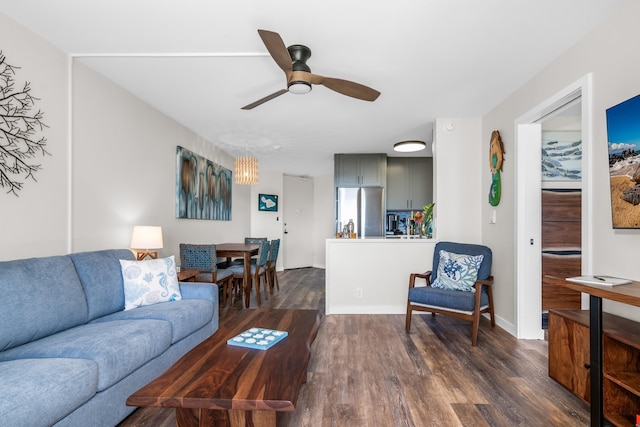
column 419, row 221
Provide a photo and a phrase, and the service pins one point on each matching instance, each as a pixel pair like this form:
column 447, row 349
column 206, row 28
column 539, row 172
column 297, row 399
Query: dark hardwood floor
column 366, row 371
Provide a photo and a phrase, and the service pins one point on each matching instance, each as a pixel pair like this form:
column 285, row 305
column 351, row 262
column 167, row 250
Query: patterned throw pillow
column 457, row 271
column 149, row 282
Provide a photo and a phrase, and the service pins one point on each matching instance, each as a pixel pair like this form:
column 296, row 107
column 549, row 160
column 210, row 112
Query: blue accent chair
column 460, row 304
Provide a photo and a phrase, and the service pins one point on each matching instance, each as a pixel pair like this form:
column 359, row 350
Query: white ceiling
column 200, row 61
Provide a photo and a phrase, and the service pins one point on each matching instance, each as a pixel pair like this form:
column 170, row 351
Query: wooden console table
column 626, row 294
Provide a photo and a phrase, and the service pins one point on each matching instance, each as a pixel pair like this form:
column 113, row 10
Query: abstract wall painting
column 203, row 188
column 623, row 139
column 562, row 156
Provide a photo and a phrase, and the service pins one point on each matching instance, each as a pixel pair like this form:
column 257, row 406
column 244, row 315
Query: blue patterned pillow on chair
column 199, row 257
column 457, row 272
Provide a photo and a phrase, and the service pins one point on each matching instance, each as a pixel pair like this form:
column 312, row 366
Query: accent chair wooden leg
column 407, row 323
column 475, row 327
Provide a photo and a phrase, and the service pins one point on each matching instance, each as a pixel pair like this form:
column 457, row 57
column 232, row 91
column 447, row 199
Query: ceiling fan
column 292, row 61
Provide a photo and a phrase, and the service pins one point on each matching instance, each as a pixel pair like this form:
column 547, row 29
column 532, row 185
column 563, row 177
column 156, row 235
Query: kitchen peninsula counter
column 371, row 275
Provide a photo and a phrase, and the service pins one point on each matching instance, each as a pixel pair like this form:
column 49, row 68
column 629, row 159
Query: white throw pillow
column 149, row 282
column 457, row 271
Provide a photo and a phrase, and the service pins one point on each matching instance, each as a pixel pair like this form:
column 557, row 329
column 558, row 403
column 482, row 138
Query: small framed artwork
column 268, row 202
column 562, row 156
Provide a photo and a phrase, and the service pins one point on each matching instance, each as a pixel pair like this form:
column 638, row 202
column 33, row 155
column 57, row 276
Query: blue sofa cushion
column 40, row 296
column 50, row 388
column 453, row 300
column 185, row 316
column 118, row 347
column 101, row 278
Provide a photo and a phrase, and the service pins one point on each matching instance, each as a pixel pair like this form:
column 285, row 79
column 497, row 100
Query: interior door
column 297, row 247
column 528, row 231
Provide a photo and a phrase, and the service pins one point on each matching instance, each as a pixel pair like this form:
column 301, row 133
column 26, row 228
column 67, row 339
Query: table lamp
column 145, row 238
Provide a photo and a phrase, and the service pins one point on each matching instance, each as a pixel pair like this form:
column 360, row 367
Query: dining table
column 244, row 251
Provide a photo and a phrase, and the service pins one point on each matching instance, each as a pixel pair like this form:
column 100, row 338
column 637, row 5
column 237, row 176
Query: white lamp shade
column 146, row 237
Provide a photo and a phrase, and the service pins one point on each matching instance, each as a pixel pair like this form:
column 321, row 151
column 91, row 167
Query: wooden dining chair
column 203, row 257
column 258, row 272
column 250, row 241
column 272, row 275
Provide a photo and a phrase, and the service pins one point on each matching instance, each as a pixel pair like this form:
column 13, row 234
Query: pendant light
column 246, row 169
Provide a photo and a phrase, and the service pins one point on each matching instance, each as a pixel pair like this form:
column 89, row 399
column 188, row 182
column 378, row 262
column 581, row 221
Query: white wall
column 606, row 54
column 116, row 170
column 323, row 221
column 457, row 163
column 35, row 222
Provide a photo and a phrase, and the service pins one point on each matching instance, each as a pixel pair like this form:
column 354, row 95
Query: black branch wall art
column 21, row 127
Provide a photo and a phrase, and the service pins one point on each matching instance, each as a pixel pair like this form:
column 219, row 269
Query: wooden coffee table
column 220, row 385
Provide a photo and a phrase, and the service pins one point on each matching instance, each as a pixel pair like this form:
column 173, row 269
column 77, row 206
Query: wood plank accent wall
column 561, row 245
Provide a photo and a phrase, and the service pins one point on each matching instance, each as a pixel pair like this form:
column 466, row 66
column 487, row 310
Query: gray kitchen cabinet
column 356, row 170
column 409, row 182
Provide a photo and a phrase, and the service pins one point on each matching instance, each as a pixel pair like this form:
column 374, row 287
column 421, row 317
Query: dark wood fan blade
column 265, row 99
column 346, row 87
column 277, row 49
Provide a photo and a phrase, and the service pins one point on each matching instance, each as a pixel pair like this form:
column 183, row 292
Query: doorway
column 528, row 203
column 297, row 246
column 561, row 205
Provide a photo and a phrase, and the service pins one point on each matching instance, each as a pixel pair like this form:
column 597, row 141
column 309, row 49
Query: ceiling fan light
column 409, row 146
column 299, row 87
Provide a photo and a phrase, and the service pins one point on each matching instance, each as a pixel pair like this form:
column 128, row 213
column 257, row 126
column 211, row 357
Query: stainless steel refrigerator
column 365, row 206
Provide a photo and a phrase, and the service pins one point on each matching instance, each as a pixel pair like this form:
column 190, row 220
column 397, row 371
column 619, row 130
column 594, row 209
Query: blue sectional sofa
column 70, row 355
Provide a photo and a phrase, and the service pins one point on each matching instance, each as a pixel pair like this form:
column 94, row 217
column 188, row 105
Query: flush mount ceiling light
column 409, row 146
column 246, row 170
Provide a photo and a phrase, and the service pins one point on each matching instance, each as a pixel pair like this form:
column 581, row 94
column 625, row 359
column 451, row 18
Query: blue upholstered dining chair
column 258, row 272
column 204, row 258
column 458, row 285
column 248, row 241
column 272, row 275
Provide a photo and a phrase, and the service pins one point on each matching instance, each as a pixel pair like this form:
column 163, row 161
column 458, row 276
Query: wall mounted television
column 623, row 137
